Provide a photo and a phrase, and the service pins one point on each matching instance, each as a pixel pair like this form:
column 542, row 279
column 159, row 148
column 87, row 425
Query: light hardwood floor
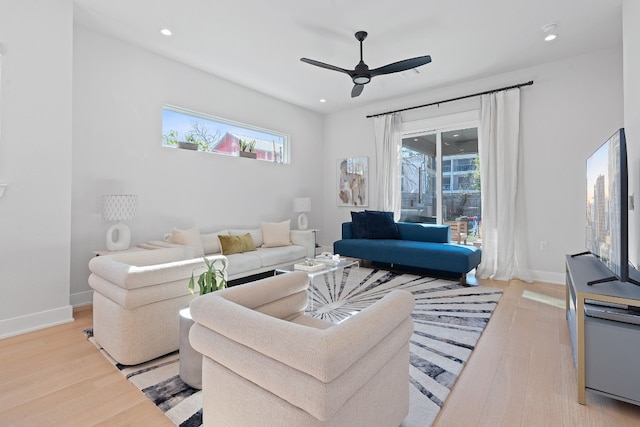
column 520, row 374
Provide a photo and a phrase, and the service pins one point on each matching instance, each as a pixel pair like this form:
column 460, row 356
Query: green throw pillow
column 236, row 244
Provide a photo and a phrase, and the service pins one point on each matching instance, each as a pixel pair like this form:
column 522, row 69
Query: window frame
column 437, row 126
column 252, row 132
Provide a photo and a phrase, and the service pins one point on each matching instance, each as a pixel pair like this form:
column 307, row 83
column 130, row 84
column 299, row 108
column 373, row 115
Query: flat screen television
column 607, row 207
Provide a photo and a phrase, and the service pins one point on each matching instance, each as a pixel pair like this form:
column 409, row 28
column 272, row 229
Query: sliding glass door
column 441, row 180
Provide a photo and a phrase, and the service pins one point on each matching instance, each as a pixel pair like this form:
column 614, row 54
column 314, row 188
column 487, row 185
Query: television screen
column 607, row 226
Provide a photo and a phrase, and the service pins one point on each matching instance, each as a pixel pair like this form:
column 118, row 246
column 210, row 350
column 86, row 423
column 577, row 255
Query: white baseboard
column 548, row 277
column 81, row 298
column 33, row 322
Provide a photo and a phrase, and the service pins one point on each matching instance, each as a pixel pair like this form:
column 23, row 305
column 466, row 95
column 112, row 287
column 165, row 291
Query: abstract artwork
column 353, row 177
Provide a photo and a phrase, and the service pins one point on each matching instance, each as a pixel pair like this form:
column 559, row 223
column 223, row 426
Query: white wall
column 35, row 162
column 631, row 49
column 572, row 107
column 119, row 91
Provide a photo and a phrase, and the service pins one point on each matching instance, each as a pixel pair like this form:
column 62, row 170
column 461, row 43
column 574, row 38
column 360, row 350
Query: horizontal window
column 182, row 128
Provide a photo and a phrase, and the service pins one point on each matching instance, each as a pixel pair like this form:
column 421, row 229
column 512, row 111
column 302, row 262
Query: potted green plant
column 190, row 143
column 244, row 145
column 211, row 280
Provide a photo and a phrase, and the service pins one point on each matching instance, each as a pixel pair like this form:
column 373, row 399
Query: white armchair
column 136, row 300
column 266, row 363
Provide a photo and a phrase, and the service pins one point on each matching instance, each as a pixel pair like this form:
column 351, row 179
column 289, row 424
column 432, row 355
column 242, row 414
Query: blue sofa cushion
column 428, row 255
column 359, row 226
column 374, row 225
column 381, row 225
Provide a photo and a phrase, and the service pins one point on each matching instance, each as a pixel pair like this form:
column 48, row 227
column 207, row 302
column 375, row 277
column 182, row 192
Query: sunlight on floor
column 545, row 299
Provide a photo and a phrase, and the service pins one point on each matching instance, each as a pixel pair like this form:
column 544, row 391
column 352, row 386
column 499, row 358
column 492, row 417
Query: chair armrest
column 131, row 270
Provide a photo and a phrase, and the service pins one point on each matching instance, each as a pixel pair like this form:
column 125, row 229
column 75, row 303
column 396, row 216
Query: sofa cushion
column 281, row 255
column 380, row 225
column 242, row 262
column 276, row 234
column 236, row 244
column 211, row 243
column 359, row 225
column 426, row 255
column 189, row 237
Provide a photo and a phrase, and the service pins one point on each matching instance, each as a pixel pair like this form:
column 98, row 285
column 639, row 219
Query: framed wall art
column 353, row 181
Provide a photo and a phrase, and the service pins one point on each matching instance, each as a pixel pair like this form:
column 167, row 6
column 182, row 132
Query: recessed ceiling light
column 455, row 135
column 323, row 100
column 165, row 31
column 549, row 31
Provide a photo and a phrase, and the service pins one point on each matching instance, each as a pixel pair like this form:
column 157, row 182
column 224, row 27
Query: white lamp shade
column 302, row 204
column 118, row 207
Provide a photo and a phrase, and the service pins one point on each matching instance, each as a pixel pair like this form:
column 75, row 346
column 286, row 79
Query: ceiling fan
column 362, row 75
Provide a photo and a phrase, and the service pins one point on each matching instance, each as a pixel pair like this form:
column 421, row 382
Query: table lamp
column 302, row 205
column 118, row 207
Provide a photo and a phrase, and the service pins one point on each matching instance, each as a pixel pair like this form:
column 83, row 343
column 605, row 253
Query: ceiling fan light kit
column 362, row 75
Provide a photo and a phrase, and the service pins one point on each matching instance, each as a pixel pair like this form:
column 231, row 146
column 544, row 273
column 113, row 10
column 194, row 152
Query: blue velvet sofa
column 416, row 246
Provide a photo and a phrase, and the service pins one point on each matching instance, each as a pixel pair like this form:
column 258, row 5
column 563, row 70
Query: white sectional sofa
column 275, row 246
column 138, row 294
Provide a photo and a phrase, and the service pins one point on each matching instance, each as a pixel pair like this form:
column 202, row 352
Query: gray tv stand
column 605, row 333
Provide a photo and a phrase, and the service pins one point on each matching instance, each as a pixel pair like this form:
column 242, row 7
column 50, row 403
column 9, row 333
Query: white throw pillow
column 276, row 234
column 256, row 234
column 190, row 237
column 210, row 242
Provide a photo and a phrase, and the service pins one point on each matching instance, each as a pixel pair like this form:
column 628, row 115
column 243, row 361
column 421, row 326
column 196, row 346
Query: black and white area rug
column 449, row 319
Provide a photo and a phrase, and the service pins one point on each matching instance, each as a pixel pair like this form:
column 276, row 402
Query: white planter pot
column 248, row 154
column 190, row 360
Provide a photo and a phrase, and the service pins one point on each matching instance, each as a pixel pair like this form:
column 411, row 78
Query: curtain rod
column 529, row 83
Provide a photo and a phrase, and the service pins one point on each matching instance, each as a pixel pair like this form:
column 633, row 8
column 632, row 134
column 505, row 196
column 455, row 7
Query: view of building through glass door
column 441, row 181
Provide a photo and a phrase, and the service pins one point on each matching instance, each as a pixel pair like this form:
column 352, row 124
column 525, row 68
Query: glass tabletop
column 318, row 266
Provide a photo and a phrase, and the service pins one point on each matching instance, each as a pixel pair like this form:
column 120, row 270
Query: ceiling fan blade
column 323, row 65
column 357, row 90
column 403, row 65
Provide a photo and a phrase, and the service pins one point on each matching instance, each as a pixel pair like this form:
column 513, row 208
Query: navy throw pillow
column 381, row 225
column 359, row 225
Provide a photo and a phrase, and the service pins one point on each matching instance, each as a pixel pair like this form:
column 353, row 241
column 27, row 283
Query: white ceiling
column 259, row 43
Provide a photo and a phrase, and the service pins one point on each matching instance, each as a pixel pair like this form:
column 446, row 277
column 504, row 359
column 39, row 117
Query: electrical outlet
column 544, row 246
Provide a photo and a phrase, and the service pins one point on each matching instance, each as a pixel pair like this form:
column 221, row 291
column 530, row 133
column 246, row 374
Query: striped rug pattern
column 449, row 319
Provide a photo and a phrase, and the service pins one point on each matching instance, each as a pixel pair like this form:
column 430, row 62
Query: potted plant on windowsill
column 246, row 149
column 190, row 143
column 213, row 279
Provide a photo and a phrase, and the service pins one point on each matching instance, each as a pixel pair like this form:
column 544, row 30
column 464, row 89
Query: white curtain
column 388, row 162
column 503, row 249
